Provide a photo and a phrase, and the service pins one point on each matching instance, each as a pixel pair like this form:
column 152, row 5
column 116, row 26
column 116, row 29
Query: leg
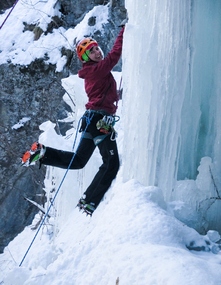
column 107, row 172
column 62, row 159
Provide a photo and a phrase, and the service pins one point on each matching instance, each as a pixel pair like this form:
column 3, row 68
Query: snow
column 174, row 101
column 21, row 123
column 23, row 49
column 140, row 233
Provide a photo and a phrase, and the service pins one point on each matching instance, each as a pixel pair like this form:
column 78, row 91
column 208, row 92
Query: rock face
column 27, row 92
column 6, row 4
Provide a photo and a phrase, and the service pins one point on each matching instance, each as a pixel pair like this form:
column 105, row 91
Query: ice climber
column 97, row 123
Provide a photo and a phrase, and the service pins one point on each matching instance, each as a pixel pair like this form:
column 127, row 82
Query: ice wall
column 171, row 69
column 157, row 58
column 200, row 111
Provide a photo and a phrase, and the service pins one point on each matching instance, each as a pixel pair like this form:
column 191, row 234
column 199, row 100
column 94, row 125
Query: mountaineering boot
column 89, row 209
column 36, row 152
column 81, row 203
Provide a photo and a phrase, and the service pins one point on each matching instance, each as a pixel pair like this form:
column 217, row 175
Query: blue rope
column 9, row 14
column 88, row 120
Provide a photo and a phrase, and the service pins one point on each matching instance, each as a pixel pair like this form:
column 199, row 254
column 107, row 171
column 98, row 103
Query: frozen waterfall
column 171, row 69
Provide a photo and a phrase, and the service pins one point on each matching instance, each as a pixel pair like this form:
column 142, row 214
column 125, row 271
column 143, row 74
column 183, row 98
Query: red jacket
column 99, row 82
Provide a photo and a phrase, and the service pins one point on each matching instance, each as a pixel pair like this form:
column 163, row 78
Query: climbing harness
column 88, row 120
column 105, row 125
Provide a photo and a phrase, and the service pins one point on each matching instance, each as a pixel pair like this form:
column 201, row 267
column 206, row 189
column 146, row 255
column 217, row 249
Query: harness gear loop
column 106, row 125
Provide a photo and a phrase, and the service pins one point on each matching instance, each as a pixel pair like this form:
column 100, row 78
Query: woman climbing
column 97, row 123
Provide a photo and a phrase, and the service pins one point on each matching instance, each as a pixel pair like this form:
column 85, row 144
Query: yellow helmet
column 83, row 48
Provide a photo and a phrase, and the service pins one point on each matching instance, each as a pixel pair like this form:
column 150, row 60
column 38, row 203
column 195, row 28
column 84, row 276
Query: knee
column 80, row 161
column 82, row 164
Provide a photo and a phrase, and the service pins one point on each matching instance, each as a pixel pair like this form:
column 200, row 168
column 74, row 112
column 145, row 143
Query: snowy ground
column 129, row 236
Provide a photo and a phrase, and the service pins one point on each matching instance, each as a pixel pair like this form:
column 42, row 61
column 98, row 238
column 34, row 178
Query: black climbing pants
column 109, row 153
